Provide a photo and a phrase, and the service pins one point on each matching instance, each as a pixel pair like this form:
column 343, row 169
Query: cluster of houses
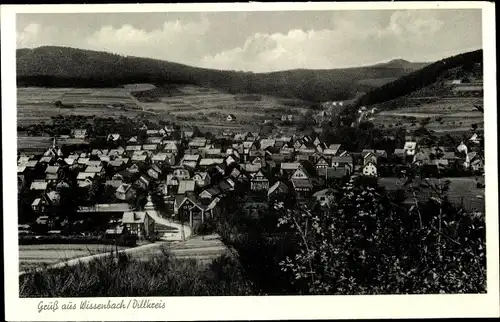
column 193, row 174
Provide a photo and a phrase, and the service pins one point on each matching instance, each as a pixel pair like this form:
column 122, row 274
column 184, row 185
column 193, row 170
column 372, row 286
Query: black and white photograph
column 169, row 153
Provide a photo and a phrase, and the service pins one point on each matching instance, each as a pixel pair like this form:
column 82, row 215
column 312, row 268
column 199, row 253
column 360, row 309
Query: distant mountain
column 69, row 67
column 401, row 64
column 427, row 81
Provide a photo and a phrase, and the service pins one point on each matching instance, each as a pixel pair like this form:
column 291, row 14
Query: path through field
column 201, row 248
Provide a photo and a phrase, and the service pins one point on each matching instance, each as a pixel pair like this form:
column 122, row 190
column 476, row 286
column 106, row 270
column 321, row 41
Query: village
column 187, row 176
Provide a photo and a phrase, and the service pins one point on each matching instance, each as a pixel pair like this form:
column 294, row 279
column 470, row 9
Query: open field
column 203, row 106
column 445, row 114
column 37, row 104
column 187, row 105
column 462, row 190
column 31, row 256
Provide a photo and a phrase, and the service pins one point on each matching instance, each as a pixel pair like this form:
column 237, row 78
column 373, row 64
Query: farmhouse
column 79, row 133
column 230, row 117
column 139, row 223
column 370, row 169
column 277, row 189
column 202, row 179
column 114, row 137
column 410, row 148
column 259, row 182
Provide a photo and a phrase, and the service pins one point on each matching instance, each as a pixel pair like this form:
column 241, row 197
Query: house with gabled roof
column 132, row 148
column 150, row 147
column 159, row 158
column 39, row 185
column 139, row 223
column 209, row 193
column 188, row 134
column 139, row 158
column 182, row 174
column 410, row 148
column 134, row 168
column 249, row 146
column 208, row 162
column 185, row 186
column 258, row 181
column 212, row 153
column 289, row 167
column 46, row 159
column 230, row 159
column 154, row 140
column 143, row 182
column 171, row 147
column 47, row 203
column 113, row 137
column 321, row 165
column 99, row 170
column 53, row 173
column 227, row 185
column 172, row 180
column 152, row 132
column 125, row 192
column 421, row 157
column 324, row 197
column 190, row 209
column 279, row 188
column 259, row 160
column 370, row 169
column 154, row 172
column 345, row 161
column 202, row 179
column 265, row 143
column 369, row 156
column 302, row 186
column 79, row 133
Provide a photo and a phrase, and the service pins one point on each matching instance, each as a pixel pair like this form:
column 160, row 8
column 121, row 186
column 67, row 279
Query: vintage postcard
column 250, row 161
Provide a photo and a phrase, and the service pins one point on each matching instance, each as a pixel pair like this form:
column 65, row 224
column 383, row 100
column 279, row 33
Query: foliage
column 367, row 244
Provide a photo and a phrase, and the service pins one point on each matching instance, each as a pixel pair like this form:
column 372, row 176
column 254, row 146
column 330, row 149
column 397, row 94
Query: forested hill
column 70, row 67
column 445, row 69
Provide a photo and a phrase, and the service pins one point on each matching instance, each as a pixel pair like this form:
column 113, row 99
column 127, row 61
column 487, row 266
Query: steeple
column 54, row 143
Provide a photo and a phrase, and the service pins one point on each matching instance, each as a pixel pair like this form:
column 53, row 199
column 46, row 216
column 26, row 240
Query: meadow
column 31, row 256
column 38, row 104
column 162, row 275
column 443, row 114
column 188, row 105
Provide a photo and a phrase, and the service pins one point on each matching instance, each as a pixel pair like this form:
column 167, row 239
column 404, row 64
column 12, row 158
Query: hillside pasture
column 208, row 108
column 36, row 104
column 443, row 114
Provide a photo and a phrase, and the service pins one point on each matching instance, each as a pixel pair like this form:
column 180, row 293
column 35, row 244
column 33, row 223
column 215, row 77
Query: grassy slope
column 163, row 275
column 62, row 66
column 423, row 82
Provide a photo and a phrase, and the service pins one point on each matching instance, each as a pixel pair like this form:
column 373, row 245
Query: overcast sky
column 263, row 41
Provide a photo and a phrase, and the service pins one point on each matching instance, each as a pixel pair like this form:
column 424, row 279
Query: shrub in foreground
column 163, row 275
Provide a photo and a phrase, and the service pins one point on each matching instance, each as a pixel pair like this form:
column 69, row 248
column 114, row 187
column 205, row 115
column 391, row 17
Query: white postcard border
column 258, row 308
